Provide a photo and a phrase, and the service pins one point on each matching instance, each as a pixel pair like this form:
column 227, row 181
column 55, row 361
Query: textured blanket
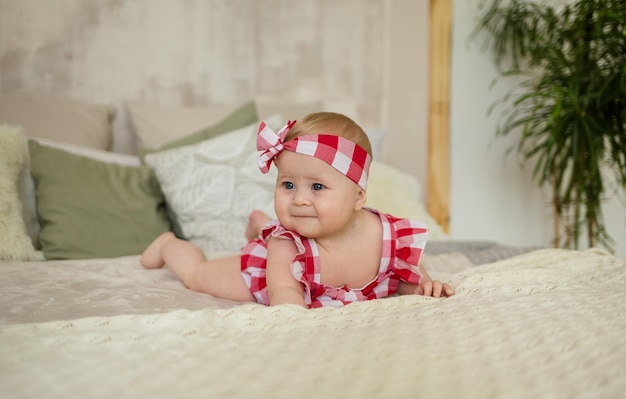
column 546, row 324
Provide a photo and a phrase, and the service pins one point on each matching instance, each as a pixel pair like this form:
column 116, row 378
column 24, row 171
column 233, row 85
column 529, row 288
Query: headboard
column 365, row 59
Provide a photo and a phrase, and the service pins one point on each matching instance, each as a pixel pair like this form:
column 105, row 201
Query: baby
column 325, row 248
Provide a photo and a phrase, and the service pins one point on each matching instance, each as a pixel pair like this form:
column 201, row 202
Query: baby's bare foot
column 256, row 221
column 151, row 257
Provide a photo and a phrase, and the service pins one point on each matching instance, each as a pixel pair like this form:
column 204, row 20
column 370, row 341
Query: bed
column 86, row 184
column 81, row 318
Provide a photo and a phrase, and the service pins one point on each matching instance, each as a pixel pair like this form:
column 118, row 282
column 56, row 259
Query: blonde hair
column 331, row 123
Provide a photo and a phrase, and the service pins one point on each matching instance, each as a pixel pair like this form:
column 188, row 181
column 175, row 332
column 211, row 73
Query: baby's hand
column 434, row 288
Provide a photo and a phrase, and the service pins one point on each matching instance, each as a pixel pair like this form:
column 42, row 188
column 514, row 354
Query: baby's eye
column 318, row 186
column 288, row 185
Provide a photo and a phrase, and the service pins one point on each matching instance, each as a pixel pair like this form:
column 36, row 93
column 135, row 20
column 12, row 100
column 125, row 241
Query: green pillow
column 89, row 208
column 241, row 117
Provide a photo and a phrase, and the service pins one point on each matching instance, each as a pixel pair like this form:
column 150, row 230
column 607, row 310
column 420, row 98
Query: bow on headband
column 340, row 153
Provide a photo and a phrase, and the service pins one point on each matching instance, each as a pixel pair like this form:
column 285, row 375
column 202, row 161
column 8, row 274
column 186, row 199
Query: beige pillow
column 59, row 119
column 392, row 191
column 289, row 110
column 157, row 125
column 14, row 241
column 240, row 117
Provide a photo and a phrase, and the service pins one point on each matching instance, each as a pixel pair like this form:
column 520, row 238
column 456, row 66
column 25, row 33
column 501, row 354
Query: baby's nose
column 300, row 198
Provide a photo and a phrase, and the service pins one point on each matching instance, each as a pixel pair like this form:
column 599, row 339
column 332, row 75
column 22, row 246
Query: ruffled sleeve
column 273, row 228
column 298, row 264
column 411, row 237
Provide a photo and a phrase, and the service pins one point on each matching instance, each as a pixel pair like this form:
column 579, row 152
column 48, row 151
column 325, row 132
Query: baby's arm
column 427, row 286
column 282, row 287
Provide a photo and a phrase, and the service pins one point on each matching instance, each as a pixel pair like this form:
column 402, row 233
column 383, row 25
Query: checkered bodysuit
column 403, row 244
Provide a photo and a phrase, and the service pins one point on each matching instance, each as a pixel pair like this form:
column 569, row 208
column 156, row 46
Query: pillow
column 27, row 185
column 212, row 186
column 291, row 110
column 397, row 193
column 93, row 209
column 159, row 126
column 99, row 155
column 14, row 241
column 59, row 119
column 242, row 116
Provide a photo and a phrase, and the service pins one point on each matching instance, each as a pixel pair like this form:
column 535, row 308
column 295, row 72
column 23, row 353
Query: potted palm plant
column 567, row 60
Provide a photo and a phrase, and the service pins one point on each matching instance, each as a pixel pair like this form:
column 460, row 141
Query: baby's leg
column 221, row 277
column 256, row 221
column 151, row 257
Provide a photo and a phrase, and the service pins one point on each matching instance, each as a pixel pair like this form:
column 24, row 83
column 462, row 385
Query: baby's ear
column 361, row 199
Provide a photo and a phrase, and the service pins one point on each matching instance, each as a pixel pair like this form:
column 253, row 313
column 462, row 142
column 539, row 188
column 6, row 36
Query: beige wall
column 365, row 58
column 406, row 104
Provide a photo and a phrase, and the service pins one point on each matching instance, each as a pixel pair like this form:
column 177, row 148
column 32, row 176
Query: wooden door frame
column 438, row 159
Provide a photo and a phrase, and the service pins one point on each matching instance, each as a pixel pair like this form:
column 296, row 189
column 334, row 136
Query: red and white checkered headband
column 340, row 153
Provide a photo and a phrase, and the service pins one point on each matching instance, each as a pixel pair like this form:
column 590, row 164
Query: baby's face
column 311, row 197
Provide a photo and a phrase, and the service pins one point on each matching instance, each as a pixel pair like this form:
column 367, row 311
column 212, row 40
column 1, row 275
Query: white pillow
column 212, row 186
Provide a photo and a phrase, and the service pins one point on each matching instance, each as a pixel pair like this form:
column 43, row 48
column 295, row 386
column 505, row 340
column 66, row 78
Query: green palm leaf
column 568, row 106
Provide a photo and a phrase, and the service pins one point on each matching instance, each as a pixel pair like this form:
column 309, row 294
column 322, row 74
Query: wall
column 406, row 103
column 367, row 58
column 364, row 58
column 198, row 51
column 492, row 196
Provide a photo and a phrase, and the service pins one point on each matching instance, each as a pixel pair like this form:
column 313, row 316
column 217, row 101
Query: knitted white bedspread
column 547, row 324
